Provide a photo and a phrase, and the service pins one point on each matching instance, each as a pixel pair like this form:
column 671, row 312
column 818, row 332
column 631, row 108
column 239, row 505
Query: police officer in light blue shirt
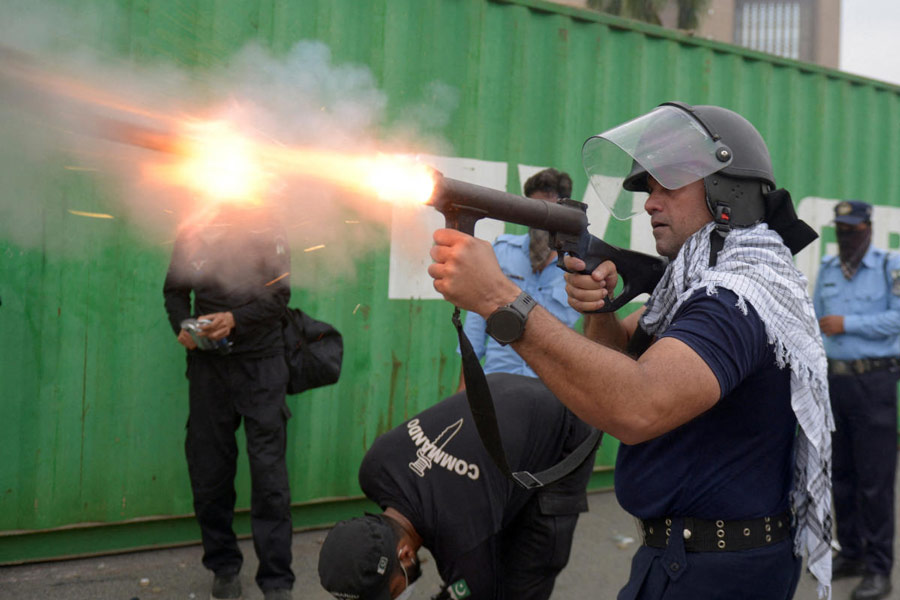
column 857, row 300
column 528, row 261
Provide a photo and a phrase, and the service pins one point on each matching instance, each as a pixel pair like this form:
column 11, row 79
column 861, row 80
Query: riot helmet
column 678, row 144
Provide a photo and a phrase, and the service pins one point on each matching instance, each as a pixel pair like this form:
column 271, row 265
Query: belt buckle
column 526, row 480
column 840, row 367
column 859, row 366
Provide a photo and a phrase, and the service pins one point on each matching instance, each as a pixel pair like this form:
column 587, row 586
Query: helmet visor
column 671, row 146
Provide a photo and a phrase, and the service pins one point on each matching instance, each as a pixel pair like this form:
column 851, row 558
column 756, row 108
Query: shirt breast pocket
column 512, row 276
column 870, row 296
column 556, row 301
column 832, row 300
column 559, row 295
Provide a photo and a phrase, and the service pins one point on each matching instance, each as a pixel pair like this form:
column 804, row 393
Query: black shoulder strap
column 482, row 406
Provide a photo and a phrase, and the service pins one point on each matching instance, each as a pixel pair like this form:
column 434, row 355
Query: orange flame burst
column 216, row 160
column 397, row 179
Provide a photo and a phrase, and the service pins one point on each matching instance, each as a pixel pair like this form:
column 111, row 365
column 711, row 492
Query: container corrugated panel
column 93, row 388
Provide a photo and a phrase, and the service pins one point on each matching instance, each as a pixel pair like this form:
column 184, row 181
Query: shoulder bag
column 313, row 350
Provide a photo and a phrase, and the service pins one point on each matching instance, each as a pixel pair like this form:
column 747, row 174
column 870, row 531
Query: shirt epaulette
column 511, row 239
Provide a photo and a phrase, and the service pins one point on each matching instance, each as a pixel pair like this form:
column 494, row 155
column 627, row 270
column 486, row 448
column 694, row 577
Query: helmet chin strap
column 733, row 202
column 717, row 236
column 748, row 202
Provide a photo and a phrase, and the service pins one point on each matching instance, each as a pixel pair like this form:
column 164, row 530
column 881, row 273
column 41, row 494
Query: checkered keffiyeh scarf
column 756, row 265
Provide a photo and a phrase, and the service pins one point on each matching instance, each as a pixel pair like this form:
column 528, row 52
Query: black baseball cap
column 358, row 558
column 852, row 212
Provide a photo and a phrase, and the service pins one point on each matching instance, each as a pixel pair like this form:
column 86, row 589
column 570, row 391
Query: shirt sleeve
column 817, row 293
column 378, row 481
column 731, row 343
column 880, row 324
column 475, row 572
column 177, row 289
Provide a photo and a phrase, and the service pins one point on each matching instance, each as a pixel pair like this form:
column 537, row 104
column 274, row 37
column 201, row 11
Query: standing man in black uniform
column 857, row 299
column 432, row 476
column 237, row 266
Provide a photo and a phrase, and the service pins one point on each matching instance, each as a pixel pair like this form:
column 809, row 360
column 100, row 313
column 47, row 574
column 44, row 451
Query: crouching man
column 439, row 489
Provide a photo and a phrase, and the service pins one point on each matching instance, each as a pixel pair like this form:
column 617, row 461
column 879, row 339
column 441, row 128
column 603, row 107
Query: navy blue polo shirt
column 735, row 461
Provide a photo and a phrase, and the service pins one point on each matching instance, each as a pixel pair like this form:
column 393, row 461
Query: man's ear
column 405, row 553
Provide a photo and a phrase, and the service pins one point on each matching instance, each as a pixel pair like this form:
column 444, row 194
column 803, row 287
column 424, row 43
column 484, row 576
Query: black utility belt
column 861, row 366
column 718, row 536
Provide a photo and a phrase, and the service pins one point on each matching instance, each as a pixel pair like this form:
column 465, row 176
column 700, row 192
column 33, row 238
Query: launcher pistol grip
column 640, row 272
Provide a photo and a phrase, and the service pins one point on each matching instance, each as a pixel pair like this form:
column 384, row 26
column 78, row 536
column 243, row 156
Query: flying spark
column 279, row 278
column 92, row 215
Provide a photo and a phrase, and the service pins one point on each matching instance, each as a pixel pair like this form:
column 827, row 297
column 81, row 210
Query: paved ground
column 604, row 543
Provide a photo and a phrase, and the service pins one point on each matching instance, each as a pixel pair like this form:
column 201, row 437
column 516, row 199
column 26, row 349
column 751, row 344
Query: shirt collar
column 518, row 240
column 870, row 260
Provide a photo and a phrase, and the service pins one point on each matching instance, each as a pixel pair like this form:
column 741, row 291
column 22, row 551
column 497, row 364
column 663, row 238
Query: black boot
column 874, row 586
column 226, row 587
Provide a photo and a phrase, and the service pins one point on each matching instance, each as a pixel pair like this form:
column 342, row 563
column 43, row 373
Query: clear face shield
column 668, row 143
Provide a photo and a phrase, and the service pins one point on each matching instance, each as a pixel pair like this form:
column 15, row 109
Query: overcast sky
column 870, row 38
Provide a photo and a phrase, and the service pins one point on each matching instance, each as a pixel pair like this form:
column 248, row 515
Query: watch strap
column 524, row 304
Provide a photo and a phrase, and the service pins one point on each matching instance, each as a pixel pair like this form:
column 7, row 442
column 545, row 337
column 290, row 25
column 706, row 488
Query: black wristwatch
column 507, row 323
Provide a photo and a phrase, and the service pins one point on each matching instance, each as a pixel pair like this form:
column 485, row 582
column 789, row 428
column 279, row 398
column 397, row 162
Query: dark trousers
column 223, row 391
column 769, row 573
column 535, row 548
column 864, row 458
column 522, row 561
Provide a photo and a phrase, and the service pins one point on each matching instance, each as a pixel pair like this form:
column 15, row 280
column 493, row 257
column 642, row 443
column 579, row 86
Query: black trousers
column 223, row 391
column 864, row 459
column 535, row 548
column 768, row 573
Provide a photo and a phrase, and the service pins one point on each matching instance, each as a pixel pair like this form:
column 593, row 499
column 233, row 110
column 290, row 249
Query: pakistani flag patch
column 459, row 590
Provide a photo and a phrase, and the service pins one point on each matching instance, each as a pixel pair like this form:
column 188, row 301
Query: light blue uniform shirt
column 870, row 304
column 548, row 288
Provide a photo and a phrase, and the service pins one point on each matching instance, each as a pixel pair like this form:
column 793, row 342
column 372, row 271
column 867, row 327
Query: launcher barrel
column 463, row 204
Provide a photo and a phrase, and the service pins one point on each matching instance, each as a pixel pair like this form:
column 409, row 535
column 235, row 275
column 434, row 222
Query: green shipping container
column 94, row 398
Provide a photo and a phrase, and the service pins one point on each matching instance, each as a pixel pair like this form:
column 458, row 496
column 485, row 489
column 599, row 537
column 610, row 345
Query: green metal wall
column 94, row 399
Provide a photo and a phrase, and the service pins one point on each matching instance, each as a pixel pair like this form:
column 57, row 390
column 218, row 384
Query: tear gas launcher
column 463, row 204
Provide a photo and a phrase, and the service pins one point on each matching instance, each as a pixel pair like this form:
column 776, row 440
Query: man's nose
column 652, row 203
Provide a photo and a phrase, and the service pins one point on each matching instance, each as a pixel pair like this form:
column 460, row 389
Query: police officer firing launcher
column 721, row 402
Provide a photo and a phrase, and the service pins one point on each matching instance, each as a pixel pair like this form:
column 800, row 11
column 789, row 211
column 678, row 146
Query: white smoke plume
column 80, row 126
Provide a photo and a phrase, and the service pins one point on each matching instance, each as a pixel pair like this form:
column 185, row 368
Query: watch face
column 505, row 325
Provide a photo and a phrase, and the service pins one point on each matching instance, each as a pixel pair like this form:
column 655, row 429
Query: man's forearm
column 586, row 376
column 606, row 329
column 178, row 307
column 632, row 400
column 267, row 308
